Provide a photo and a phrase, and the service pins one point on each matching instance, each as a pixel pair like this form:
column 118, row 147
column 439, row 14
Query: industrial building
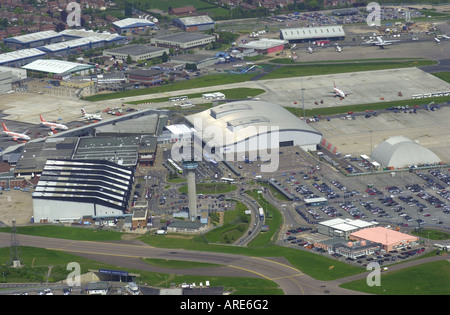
column 307, row 34
column 252, row 125
column 107, row 39
column 21, row 57
column 202, row 60
column 183, row 41
column 401, row 152
column 71, row 47
column 136, row 52
column 55, row 66
column 133, row 26
column 146, row 77
column 195, row 23
column 5, row 81
column 264, row 45
column 342, row 228
column 352, row 250
column 33, row 40
column 35, row 154
column 390, row 239
column 68, row 190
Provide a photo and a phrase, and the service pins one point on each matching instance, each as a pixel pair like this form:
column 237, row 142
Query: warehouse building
column 33, row 40
column 21, row 57
column 308, row 34
column 195, row 23
column 55, row 66
column 401, row 152
column 108, row 39
column 133, row 26
column 183, row 41
column 136, row 52
column 67, row 191
column 264, row 45
column 390, row 239
column 71, row 47
column 200, row 60
column 250, row 126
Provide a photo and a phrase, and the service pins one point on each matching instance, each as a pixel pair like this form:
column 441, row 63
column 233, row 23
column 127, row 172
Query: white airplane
column 52, row 126
column 340, row 93
column 338, row 48
column 90, row 116
column 310, row 50
column 15, row 135
column 437, row 40
column 380, row 42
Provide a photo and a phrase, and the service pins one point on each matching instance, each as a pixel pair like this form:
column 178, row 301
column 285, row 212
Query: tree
column 129, row 60
column 164, row 57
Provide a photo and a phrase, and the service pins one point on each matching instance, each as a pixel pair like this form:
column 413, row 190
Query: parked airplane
column 380, row 42
column 15, row 135
column 338, row 48
column 52, row 126
column 90, row 116
column 340, row 93
column 443, row 37
column 310, row 50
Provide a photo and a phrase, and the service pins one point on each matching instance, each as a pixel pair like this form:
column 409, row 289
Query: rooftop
column 135, row 50
column 33, row 37
column 196, row 20
column 183, row 37
column 56, row 66
column 20, row 54
column 131, row 22
column 383, row 235
column 312, row 32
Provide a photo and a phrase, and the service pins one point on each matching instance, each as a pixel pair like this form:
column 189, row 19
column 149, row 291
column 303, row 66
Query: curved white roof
column 242, row 120
column 401, row 152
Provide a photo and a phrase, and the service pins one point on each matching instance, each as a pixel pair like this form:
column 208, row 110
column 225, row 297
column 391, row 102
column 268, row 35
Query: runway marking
column 251, row 271
column 275, row 262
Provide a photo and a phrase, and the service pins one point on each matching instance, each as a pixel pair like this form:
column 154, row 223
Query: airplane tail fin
column 83, row 112
column 334, row 84
column 4, row 127
column 42, row 119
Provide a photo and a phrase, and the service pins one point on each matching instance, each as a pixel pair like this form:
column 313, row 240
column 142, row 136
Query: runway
column 125, row 254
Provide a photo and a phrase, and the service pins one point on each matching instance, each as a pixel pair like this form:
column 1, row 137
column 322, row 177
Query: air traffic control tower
column 189, row 167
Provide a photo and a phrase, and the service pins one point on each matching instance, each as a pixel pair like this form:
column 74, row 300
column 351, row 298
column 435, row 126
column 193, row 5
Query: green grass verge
column 321, row 69
column 432, row 234
column 35, row 268
column 235, row 224
column 324, row 111
column 210, row 80
column 79, row 234
column 427, row 279
column 445, row 76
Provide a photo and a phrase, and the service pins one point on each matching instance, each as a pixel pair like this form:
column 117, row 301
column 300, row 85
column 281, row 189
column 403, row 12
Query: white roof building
column 399, row 152
column 57, row 66
column 252, row 125
column 301, row 34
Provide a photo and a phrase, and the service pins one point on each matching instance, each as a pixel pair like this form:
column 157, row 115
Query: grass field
column 287, row 71
column 427, row 279
column 217, row 188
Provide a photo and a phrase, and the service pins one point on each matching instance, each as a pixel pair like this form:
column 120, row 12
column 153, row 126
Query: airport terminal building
column 68, row 190
column 245, row 126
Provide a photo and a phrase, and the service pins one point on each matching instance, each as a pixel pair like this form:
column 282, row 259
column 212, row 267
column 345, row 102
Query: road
column 128, row 254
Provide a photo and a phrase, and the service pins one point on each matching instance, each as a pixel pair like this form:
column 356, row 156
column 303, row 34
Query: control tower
column 189, row 166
